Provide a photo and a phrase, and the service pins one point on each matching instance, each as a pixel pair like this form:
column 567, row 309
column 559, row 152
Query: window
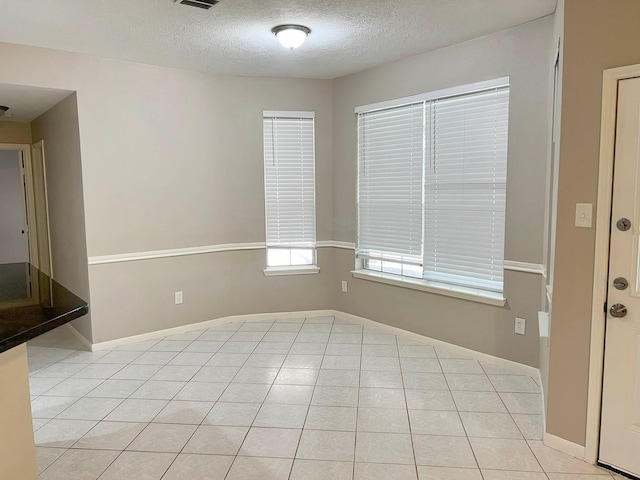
column 432, row 186
column 289, row 180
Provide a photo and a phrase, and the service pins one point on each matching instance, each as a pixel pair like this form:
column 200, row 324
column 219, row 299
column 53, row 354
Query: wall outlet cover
column 178, row 298
column 521, row 325
column 344, row 286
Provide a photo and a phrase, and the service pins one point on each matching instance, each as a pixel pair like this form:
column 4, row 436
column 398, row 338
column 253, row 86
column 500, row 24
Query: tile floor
column 298, row 399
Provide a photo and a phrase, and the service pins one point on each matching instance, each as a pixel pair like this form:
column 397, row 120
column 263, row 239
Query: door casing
column 611, row 78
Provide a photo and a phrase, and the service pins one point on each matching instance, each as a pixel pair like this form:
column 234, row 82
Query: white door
column 620, row 422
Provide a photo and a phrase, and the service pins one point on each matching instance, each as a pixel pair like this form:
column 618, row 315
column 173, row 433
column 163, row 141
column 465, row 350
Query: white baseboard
column 258, row 317
column 485, row 357
column 518, row 367
column 564, row 446
column 80, row 337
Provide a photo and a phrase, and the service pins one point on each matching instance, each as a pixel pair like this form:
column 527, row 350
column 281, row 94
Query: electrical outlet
column 178, row 298
column 520, row 326
column 344, row 286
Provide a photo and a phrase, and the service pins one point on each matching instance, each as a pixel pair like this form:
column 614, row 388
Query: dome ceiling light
column 291, row 36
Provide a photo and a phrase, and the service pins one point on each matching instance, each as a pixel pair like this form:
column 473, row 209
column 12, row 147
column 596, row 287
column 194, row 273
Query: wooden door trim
column 611, row 78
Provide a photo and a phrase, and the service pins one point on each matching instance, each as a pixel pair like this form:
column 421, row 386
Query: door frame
column 25, row 150
column 610, row 81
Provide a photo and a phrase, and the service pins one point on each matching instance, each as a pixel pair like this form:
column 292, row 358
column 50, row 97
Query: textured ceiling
column 234, row 37
column 28, row 103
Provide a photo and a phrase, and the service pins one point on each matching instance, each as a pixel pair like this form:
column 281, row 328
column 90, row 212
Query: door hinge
column 605, row 307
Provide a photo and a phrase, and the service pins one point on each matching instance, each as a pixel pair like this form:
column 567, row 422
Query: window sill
column 291, row 270
column 464, row 293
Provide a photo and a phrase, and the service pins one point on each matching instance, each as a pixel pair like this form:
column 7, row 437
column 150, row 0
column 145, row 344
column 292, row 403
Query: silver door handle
column 618, row 310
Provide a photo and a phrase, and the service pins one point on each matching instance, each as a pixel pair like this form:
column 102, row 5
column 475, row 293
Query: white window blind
column 432, row 186
column 465, row 190
column 289, row 177
column 391, row 151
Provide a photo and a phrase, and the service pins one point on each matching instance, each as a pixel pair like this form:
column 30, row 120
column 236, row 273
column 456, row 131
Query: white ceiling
column 234, row 37
column 28, row 103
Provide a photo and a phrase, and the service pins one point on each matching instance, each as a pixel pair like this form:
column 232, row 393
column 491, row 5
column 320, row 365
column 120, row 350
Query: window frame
column 363, row 269
column 291, row 268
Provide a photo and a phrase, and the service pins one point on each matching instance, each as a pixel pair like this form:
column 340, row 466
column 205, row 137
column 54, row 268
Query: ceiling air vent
column 205, row 4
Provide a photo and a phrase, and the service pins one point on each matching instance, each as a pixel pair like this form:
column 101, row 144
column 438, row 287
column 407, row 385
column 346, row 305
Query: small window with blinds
column 289, row 181
column 432, row 172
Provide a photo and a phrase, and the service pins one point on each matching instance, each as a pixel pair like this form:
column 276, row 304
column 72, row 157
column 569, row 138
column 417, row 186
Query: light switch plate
column 584, row 215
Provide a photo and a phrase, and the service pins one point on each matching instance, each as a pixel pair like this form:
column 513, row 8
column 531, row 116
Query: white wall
column 13, row 246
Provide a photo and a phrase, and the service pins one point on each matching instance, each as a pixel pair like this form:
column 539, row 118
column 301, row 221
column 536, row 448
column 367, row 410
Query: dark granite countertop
column 31, row 304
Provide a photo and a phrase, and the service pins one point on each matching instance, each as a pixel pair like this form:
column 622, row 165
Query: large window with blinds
column 432, row 172
column 289, row 184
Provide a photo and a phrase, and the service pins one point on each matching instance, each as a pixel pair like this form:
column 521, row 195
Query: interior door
column 620, row 422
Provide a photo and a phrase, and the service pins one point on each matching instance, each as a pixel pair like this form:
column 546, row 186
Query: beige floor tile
column 416, row 351
column 158, row 390
column 290, row 394
column 553, row 461
column 331, row 418
column 110, row 435
column 159, row 437
column 199, row 467
column 339, row 378
column 62, row 433
column 527, row 403
column 514, row 383
column 303, row 361
column 381, row 398
column 501, row 454
column 379, row 471
column 281, row 416
column 335, row 396
column 343, row 349
column 116, row 388
column 79, row 465
column 271, row 442
column 321, row 470
column 379, row 351
column 457, row 365
column 429, row 400
column 579, row 476
column 245, row 393
column 488, row 402
column 256, row 375
column 215, row 440
column 258, row 468
column 512, row 475
column 434, row 422
column 490, row 425
column 186, row 412
column 384, row 448
column 447, row 473
column 45, row 456
column 266, row 360
column 341, row 362
column 296, row 376
column 308, row 348
column 232, row 414
column 139, row 466
column 50, row 407
column 381, row 379
column 201, row 392
column 439, row 451
column 530, row 425
column 424, row 381
column 469, row 382
column 136, row 410
column 418, row 364
column 383, row 420
column 382, row 364
column 326, row 445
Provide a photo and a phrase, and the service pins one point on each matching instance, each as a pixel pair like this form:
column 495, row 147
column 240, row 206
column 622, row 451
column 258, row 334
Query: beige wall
column 15, row 132
column 523, row 53
column 172, row 159
column 17, row 449
column 58, row 128
column 599, row 34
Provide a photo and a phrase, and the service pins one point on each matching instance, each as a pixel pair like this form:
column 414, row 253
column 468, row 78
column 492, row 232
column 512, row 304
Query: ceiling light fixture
column 291, row 36
column 3, row 111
